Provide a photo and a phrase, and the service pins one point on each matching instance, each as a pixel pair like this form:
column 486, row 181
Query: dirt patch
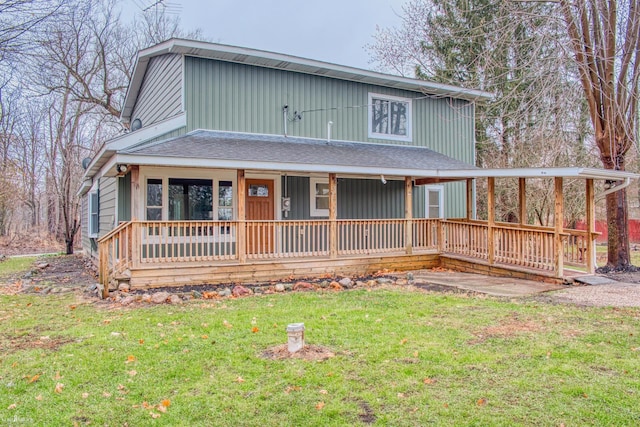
column 314, row 353
column 507, row 329
column 34, row 242
column 367, row 416
column 11, row 343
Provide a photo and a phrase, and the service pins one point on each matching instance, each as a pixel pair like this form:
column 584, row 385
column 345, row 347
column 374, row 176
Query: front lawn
column 402, row 358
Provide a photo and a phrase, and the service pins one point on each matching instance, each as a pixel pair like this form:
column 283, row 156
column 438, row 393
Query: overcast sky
column 328, row 30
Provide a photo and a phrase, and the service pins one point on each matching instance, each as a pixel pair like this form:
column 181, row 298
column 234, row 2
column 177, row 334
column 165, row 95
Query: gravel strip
column 618, row 294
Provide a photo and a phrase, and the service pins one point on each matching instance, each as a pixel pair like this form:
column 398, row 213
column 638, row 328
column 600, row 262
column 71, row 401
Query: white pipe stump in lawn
column 295, row 333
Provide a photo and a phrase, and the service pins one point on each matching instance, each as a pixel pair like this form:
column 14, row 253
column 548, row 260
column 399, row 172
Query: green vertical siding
column 160, row 95
column 124, row 198
column 244, row 98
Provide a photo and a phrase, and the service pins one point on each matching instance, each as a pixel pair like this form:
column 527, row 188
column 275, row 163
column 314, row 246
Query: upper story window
column 389, row 117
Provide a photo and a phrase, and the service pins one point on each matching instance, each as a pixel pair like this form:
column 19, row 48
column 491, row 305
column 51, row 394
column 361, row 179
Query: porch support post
column 470, row 198
column 135, row 192
column 241, row 235
column 408, row 214
column 522, row 200
column 491, row 217
column 558, row 216
column 333, row 216
column 589, row 252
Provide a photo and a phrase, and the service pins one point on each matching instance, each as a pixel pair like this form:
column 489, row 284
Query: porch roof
column 216, row 149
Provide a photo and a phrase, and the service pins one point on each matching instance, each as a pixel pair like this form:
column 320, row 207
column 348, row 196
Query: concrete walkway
column 497, row 286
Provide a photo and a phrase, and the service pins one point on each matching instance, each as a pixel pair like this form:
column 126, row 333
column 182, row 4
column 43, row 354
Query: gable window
column 319, row 192
column 94, row 214
column 389, row 117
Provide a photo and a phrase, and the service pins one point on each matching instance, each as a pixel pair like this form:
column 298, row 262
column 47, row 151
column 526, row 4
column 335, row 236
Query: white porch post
column 408, row 214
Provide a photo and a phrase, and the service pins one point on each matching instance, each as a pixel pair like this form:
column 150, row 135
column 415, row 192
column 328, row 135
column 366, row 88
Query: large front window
column 190, row 199
column 154, row 199
column 389, row 117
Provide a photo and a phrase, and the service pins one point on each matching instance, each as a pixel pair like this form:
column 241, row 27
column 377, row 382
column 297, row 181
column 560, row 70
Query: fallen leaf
column 106, row 394
column 481, row 402
column 319, row 405
column 239, row 380
column 132, row 373
column 58, row 376
column 130, row 358
column 59, row 387
column 290, row 388
column 404, row 341
column 166, row 403
column 72, row 307
column 429, row 381
column 141, row 341
column 585, row 395
column 39, row 397
column 12, row 406
column 204, row 337
column 154, row 415
column 401, row 396
column 415, row 354
column 85, row 395
column 446, row 405
column 161, row 408
column 34, row 378
column 254, row 329
column 227, row 324
column 324, row 392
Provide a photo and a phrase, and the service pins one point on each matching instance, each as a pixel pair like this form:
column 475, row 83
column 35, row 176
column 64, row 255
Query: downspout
column 625, row 184
column 285, row 110
column 329, row 125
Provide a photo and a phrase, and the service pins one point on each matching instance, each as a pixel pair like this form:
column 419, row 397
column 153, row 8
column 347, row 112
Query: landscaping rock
column 159, row 297
column 145, row 298
column 42, row 265
column 226, row 292
column 92, row 288
column 258, row 290
column 335, row 286
column 410, row 276
column 401, row 282
column 371, row 283
column 128, row 300
column 175, row 299
column 288, row 286
column 124, row 287
column 303, row 286
column 384, row 281
column 324, row 284
column 196, row 295
column 279, row 287
column 346, row 283
column 241, row 291
column 360, row 284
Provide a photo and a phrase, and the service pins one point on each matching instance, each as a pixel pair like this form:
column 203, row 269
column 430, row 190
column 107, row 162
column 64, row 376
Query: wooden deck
column 174, row 253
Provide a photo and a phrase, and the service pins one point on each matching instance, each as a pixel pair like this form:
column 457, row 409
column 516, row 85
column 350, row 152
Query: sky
column 333, row 31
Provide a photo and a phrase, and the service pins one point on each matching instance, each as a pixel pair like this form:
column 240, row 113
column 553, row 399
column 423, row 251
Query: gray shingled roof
column 258, row 148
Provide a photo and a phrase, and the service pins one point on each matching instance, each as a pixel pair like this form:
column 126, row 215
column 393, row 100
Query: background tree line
column 65, row 66
column 565, row 76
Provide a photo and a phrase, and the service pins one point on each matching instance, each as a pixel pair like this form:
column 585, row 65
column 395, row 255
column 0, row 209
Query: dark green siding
column 124, row 198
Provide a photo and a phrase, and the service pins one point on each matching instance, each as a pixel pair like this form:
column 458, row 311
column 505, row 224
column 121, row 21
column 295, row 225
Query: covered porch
column 173, row 253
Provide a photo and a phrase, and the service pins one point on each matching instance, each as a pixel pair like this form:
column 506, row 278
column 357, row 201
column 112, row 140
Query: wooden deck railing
column 146, row 243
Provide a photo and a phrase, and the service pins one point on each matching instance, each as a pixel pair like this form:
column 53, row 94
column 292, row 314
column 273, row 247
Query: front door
column 260, row 207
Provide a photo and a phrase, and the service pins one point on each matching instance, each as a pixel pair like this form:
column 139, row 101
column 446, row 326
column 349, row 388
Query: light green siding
column 107, row 196
column 160, row 95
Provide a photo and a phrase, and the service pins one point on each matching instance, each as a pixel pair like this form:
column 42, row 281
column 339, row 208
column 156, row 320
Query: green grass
column 15, row 265
column 488, row 361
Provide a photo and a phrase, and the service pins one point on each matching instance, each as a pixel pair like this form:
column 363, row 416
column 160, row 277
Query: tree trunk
column 617, row 222
column 69, row 246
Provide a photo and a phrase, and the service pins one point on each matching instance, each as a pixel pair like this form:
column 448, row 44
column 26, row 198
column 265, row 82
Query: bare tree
column 605, row 42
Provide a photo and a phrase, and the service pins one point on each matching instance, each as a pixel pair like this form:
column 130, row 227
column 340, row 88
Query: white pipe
column 627, row 182
column 329, row 125
column 284, row 118
column 384, row 181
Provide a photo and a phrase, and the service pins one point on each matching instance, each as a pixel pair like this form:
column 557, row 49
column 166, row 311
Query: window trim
column 374, row 135
column 93, row 222
column 313, row 211
column 440, row 190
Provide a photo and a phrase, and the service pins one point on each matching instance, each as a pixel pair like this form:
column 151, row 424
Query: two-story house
column 245, row 165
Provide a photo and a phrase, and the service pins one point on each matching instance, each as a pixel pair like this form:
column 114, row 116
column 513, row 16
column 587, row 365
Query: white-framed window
column 389, row 117
column 434, row 201
column 153, row 199
column 319, row 196
column 94, row 214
